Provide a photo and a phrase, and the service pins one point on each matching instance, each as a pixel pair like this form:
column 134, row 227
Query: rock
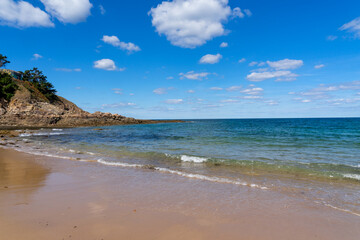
column 32, row 109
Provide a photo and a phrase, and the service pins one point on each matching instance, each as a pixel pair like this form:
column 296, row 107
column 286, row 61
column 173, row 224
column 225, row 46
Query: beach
column 51, row 198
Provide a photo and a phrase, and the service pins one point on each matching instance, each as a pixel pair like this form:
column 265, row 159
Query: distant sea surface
column 317, row 159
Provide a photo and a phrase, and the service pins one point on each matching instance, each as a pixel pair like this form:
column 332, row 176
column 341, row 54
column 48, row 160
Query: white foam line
column 119, row 164
column 337, row 208
column 182, row 174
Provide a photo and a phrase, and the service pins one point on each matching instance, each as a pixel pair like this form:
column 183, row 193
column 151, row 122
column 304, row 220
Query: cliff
column 30, row 108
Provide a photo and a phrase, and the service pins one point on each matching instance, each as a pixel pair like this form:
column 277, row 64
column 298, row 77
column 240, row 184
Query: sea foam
column 186, row 158
column 352, row 176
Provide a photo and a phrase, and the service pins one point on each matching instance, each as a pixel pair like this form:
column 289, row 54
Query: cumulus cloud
column 210, row 59
column 242, row 60
column 277, row 69
column 114, row 41
column 224, row 45
column 192, row 75
column 22, row 14
column 280, row 75
column 285, row 64
column 68, row 11
column 107, row 64
column 319, row 66
column 237, row 13
column 353, row 26
column 174, row 101
column 253, row 91
column 190, row 91
column 190, row 23
column 37, row 56
column 161, row 91
column 233, row 88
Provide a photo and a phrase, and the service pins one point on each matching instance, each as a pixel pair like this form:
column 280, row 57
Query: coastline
column 49, row 198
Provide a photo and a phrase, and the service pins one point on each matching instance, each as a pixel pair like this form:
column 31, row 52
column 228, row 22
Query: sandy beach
column 49, row 198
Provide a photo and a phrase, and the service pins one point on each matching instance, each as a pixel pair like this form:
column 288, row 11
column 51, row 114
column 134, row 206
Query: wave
column 186, row 158
column 352, row 176
column 40, row 134
column 183, row 174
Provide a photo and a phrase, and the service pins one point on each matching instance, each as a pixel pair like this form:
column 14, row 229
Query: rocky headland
column 30, row 108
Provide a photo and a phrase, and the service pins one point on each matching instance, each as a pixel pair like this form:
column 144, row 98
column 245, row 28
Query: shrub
column 36, row 77
column 7, row 86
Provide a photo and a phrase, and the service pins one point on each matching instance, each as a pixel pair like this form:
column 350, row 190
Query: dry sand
column 48, row 198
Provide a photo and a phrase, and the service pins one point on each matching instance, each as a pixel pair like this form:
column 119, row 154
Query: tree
column 39, row 80
column 3, row 60
column 7, row 86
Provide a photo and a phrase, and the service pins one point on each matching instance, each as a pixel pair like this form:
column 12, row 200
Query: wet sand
column 49, row 198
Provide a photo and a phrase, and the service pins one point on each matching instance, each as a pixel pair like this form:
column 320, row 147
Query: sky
column 189, row 59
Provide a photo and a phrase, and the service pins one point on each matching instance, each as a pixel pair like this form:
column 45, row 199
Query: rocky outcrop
column 29, row 108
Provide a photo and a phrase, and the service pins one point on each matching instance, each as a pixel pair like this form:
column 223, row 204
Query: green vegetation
column 34, row 76
column 7, row 86
column 3, row 61
column 39, row 80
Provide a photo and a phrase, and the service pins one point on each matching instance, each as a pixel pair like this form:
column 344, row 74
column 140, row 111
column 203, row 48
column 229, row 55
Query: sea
column 317, row 159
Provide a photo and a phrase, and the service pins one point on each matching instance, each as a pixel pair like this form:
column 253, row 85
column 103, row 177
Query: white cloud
column 118, row 91
column 114, row 41
column 285, row 64
column 68, row 69
column 278, row 69
column 253, row 63
column 229, row 101
column 237, row 13
column 271, row 102
column 280, row 75
column 331, row 38
column 102, row 9
column 216, row 88
column 119, row 105
column 160, row 91
column 252, row 97
column 107, row 64
column 190, row 23
column 22, row 14
column 242, row 60
column 306, row 101
column 194, row 76
column 233, row 88
column 253, row 91
column 68, row 11
column 248, row 12
column 319, row 66
column 169, row 78
column 224, row 45
column 37, row 56
column 353, row 26
column 174, row 101
column 210, row 59
column 190, row 91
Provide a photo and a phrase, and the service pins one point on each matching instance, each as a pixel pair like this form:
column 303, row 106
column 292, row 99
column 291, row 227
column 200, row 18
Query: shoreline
column 55, row 198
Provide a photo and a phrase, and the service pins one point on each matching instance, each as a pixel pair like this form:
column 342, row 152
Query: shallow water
column 314, row 158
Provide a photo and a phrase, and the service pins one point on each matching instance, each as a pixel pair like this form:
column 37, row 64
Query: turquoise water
column 325, row 147
column 315, row 158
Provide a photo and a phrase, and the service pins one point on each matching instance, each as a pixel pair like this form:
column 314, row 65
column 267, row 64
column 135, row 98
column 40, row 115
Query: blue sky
column 192, row 58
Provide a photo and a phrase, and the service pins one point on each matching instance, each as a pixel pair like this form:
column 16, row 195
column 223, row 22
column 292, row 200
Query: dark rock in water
column 30, row 108
column 151, row 167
